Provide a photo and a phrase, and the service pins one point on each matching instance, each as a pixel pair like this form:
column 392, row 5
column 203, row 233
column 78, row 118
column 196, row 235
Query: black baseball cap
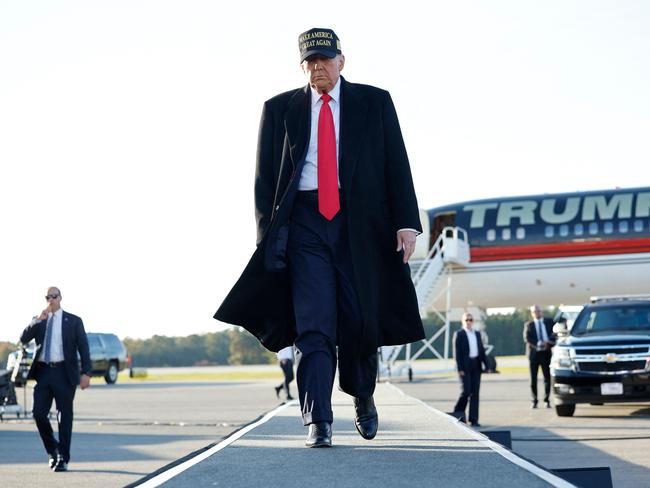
column 318, row 41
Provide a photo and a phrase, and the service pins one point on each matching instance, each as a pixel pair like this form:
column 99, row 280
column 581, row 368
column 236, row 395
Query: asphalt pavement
column 126, row 431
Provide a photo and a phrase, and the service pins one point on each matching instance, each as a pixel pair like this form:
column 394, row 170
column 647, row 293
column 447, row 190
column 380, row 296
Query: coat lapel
column 354, row 110
column 296, row 124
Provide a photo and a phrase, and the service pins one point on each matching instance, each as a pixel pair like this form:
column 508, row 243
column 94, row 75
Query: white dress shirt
column 473, row 344
column 286, row 353
column 309, row 176
column 56, row 349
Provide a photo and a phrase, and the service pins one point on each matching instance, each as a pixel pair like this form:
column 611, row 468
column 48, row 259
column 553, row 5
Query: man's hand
column 406, row 241
column 84, row 382
column 43, row 314
column 461, row 373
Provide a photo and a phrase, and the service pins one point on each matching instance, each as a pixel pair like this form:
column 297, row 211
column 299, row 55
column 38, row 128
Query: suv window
column 94, row 342
column 615, row 318
column 113, row 341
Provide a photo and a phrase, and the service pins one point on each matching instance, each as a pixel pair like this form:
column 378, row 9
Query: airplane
column 547, row 249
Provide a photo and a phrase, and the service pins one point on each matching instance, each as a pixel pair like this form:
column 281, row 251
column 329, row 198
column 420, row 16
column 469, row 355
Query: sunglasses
column 469, row 320
column 52, row 297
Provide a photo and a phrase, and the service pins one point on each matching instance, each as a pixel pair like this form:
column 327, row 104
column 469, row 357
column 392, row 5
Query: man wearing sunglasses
column 59, row 336
column 470, row 355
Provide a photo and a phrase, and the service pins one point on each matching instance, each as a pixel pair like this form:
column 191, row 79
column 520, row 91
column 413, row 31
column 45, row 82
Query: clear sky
column 128, row 130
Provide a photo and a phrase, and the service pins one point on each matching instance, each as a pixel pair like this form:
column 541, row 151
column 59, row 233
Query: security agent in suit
column 59, row 336
column 470, row 357
column 334, row 202
column 285, row 358
column 539, row 339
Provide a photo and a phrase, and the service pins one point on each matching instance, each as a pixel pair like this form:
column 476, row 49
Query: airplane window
column 578, row 229
column 608, row 227
column 521, row 233
column 505, row 234
column 491, row 235
column 623, row 226
column 549, row 231
column 593, row 228
column 638, row 225
column 564, row 230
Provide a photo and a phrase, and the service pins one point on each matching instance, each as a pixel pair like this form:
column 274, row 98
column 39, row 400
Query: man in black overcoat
column 539, row 339
column 60, row 342
column 337, row 220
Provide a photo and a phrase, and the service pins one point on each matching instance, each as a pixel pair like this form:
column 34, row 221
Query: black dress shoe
column 534, row 404
column 475, row 424
column 60, row 465
column 548, row 404
column 289, row 397
column 366, row 420
column 277, row 391
column 320, row 435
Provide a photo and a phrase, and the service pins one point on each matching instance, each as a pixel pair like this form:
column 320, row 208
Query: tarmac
column 417, row 445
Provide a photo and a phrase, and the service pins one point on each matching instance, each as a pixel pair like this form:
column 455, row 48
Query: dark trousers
column 536, row 360
column 470, row 386
column 52, row 384
column 327, row 311
column 287, row 369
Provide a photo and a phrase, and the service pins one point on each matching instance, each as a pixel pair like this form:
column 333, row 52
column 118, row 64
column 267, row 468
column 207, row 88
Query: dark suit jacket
column 530, row 335
column 461, row 350
column 74, row 339
column 378, row 199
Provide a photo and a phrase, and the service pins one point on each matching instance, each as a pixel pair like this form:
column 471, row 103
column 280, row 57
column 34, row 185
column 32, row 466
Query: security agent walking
column 539, row 339
column 285, row 358
column 59, row 336
column 337, row 221
column 470, row 357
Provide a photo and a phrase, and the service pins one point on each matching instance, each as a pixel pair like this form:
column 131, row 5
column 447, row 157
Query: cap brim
column 322, row 52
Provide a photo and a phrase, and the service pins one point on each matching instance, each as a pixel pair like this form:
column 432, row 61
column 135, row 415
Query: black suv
column 107, row 354
column 605, row 357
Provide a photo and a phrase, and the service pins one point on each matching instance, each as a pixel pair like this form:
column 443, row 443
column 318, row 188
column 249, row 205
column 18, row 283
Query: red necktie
column 328, row 185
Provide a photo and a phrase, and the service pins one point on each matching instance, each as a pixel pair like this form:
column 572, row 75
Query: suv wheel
column 565, row 410
column 111, row 373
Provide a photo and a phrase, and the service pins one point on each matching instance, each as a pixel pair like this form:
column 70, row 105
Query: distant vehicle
column 107, row 355
column 605, row 358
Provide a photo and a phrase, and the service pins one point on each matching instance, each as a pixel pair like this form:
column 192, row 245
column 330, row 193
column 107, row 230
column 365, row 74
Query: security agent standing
column 334, row 202
column 470, row 357
column 59, row 336
column 539, row 339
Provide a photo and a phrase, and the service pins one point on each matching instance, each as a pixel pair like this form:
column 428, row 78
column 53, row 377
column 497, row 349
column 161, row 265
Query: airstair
column 432, row 277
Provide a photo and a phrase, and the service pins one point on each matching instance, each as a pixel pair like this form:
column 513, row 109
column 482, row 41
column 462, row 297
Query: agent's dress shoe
column 60, row 465
column 475, row 424
column 534, row 404
column 548, row 404
column 366, row 420
column 320, row 435
column 277, row 391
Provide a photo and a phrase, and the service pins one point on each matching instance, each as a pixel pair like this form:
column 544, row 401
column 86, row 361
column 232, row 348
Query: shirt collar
column 58, row 314
column 335, row 93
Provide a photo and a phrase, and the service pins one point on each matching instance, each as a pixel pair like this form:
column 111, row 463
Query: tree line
column 236, row 346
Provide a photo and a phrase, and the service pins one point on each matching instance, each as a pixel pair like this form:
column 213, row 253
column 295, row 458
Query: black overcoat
column 379, row 198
